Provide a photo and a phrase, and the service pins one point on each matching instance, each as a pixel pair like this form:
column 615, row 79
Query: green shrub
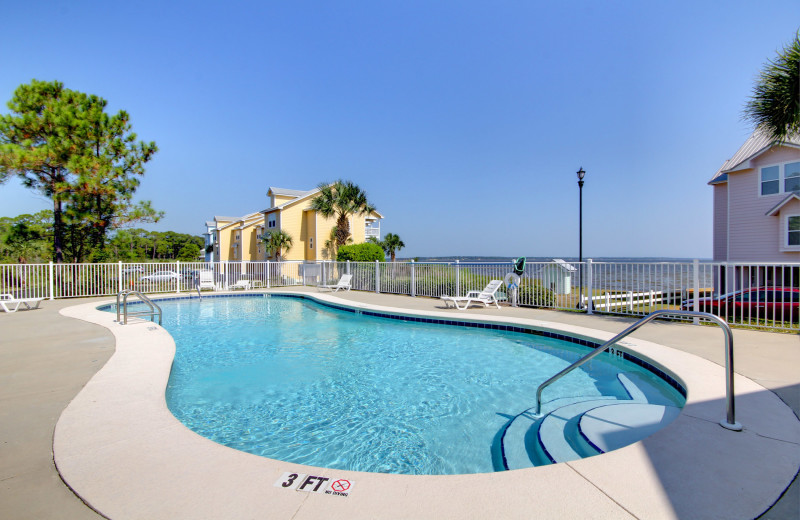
column 532, row 292
column 368, row 252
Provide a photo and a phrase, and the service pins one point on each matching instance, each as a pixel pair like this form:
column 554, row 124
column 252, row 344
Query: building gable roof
column 299, row 196
column 756, row 144
column 284, row 192
column 777, row 209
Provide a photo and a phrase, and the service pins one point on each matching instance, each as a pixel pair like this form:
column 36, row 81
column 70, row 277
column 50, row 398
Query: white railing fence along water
column 748, row 294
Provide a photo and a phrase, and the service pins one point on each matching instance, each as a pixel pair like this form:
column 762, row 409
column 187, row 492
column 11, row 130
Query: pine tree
column 63, row 143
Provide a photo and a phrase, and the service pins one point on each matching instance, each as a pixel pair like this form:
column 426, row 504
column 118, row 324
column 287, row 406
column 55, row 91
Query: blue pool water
column 292, row 380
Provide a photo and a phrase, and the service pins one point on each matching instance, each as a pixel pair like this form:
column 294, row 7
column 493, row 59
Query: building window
column 780, row 178
column 791, row 177
column 793, row 223
column 770, row 180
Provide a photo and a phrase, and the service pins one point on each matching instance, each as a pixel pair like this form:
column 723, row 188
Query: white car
column 133, row 271
column 161, row 276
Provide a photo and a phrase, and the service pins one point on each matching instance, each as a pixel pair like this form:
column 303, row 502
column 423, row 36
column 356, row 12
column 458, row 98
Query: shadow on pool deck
column 45, row 359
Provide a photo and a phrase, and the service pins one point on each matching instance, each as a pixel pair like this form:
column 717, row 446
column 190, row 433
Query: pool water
column 292, row 380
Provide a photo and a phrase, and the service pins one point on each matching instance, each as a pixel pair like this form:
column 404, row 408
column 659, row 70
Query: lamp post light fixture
column 581, row 174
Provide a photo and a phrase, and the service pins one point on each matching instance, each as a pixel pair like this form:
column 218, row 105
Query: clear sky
column 464, row 121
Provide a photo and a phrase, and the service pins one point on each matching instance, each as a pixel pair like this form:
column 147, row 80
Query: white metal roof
column 756, row 144
column 562, row 264
column 284, row 192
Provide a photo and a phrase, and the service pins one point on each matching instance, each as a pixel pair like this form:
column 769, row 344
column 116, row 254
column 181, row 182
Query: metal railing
column 154, row 311
column 730, row 405
column 631, row 288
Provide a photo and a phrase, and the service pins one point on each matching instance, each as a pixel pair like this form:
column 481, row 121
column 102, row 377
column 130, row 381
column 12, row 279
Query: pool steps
column 566, row 432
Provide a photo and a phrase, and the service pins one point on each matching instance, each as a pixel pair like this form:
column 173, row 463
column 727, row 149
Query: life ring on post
column 512, row 281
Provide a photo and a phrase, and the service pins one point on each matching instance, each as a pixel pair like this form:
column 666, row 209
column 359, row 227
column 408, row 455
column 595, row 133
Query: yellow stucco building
column 233, row 239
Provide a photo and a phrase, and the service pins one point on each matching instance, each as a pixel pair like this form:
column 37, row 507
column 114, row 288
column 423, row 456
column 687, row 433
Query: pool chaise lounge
column 7, row 301
column 241, row 284
column 486, row 297
column 343, row 283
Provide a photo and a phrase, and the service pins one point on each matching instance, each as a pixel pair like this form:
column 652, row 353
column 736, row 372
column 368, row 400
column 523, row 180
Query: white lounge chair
column 486, row 297
column 7, row 301
column 344, row 283
column 241, row 284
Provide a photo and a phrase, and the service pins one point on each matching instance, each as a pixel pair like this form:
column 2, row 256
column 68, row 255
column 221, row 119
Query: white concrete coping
column 121, row 450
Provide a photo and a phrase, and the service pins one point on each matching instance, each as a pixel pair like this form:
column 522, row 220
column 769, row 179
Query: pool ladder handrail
column 730, row 422
column 154, row 311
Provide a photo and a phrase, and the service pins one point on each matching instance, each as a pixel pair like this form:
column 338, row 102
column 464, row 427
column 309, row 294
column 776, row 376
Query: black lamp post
column 581, row 174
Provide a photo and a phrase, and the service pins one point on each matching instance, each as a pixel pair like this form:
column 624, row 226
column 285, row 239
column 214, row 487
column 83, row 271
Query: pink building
column 757, row 210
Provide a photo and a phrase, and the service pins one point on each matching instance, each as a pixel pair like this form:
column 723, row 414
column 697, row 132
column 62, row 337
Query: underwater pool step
column 644, row 390
column 558, row 433
column 520, row 442
column 557, row 436
column 614, row 426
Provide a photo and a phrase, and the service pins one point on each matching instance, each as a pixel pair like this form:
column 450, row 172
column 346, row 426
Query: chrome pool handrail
column 154, row 311
column 730, row 405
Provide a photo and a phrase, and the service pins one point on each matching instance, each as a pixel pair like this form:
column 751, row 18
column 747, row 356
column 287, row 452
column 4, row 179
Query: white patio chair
column 206, row 280
column 343, row 283
column 486, row 297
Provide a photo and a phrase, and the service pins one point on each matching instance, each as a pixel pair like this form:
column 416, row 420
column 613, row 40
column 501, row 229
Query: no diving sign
column 340, row 487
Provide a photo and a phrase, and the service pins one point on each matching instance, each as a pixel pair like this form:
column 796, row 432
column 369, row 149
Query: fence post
column 696, row 283
column 51, row 284
column 348, row 267
column 458, row 279
column 119, row 276
column 377, row 278
column 268, row 273
column 589, row 291
column 180, row 278
column 413, row 280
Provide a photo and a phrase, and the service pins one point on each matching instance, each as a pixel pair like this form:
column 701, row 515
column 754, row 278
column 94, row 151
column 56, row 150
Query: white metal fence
column 756, row 295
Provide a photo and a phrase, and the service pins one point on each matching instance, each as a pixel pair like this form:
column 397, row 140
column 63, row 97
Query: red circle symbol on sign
column 340, row 485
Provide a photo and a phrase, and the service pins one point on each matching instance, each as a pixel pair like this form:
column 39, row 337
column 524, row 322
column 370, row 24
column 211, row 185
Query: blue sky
column 464, row 121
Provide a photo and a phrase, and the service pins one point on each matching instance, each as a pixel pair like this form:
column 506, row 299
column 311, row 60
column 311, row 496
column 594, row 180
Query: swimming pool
column 293, row 380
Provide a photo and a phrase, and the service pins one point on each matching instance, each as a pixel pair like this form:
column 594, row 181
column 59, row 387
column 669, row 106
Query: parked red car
column 779, row 303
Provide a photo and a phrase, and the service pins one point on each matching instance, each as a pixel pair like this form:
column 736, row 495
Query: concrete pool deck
column 127, row 457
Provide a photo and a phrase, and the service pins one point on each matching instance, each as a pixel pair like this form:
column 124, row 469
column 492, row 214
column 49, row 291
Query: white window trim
column 784, row 228
column 781, row 179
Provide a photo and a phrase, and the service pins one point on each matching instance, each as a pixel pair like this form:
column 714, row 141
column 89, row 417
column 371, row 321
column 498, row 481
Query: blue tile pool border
column 440, row 321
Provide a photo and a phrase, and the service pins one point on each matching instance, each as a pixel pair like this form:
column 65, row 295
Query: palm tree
column 391, row 243
column 341, row 200
column 277, row 241
column 331, row 247
column 775, row 103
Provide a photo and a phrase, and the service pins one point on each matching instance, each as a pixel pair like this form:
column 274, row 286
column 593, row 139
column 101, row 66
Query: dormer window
column 793, row 223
